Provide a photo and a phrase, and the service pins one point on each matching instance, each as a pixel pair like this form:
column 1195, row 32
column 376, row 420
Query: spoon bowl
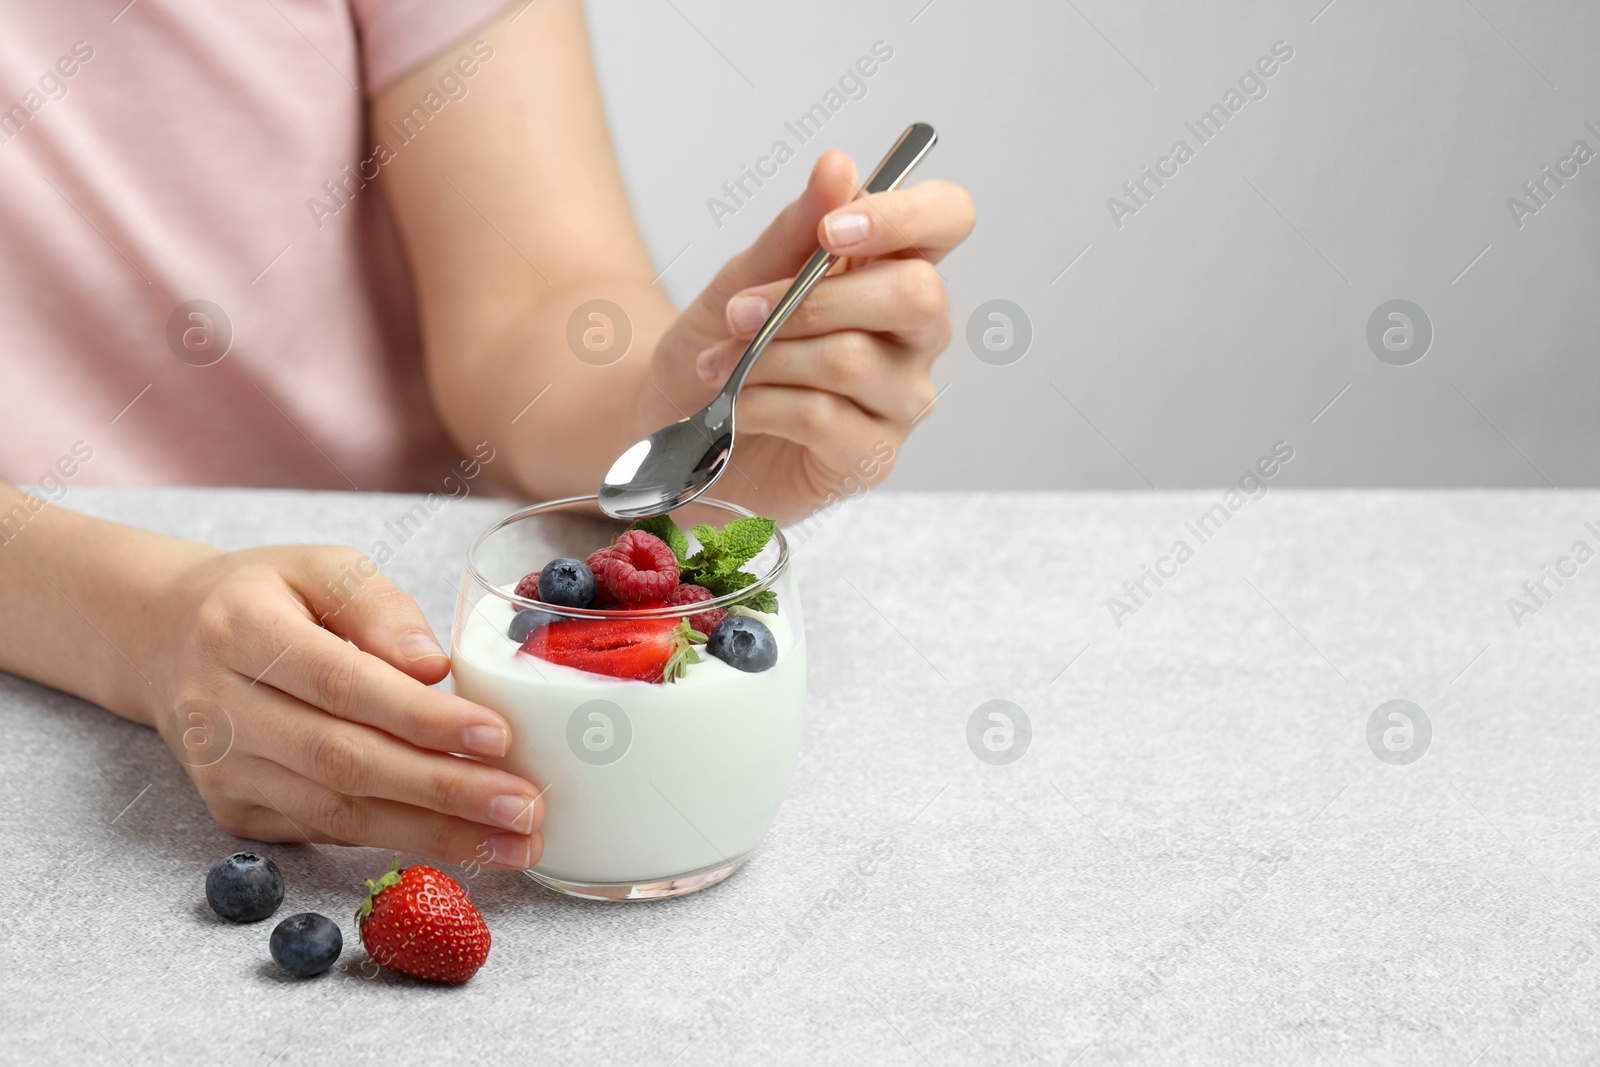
column 672, row 466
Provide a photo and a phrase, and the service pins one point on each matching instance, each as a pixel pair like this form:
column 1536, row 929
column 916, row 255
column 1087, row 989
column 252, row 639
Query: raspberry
column 604, row 599
column 597, row 567
column 529, row 586
column 704, row 621
column 641, row 567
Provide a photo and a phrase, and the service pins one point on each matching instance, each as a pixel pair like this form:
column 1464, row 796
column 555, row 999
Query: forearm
column 78, row 591
column 556, row 418
column 513, row 215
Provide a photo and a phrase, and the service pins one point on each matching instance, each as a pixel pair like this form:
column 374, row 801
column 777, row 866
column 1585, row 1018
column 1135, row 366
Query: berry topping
column 244, row 887
column 567, row 583
column 525, row 621
column 703, row 621
column 640, row 567
column 646, row 650
column 597, row 566
column 529, row 586
column 306, row 944
column 743, row 642
column 418, row 921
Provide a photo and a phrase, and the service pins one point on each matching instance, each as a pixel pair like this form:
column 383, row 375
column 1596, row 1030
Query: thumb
column 351, row 596
column 783, row 246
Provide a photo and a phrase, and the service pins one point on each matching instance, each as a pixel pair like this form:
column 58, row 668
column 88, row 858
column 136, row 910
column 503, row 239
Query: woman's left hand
column 834, row 395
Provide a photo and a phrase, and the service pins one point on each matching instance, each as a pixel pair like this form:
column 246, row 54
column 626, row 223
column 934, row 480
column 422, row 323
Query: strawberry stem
column 387, row 879
column 686, row 637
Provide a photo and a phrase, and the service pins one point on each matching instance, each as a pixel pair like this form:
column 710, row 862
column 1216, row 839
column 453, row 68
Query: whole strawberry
column 418, row 921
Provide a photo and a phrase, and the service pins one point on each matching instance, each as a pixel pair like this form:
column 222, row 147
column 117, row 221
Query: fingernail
column 705, row 365
column 747, row 313
column 845, row 228
column 484, row 740
column 512, row 812
column 510, row 850
column 418, row 645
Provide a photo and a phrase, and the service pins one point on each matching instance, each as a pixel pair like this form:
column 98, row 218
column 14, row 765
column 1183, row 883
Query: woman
column 305, row 245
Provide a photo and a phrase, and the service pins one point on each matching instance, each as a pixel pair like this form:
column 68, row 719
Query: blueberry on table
column 306, row 944
column 244, row 887
column 526, row 621
column 567, row 583
column 743, row 642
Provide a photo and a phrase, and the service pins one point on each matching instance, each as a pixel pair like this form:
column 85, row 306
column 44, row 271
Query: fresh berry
column 306, row 944
column 646, row 650
column 529, row 586
column 244, row 887
column 567, row 583
column 418, row 921
column 596, row 563
column 597, row 567
column 641, row 567
column 703, row 621
column 526, row 621
column 743, row 642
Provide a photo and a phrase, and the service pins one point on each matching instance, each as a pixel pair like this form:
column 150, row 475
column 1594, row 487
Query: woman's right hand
column 293, row 684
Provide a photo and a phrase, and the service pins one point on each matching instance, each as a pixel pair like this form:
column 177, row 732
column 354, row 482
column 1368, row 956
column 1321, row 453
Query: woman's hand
column 836, row 392
column 293, row 684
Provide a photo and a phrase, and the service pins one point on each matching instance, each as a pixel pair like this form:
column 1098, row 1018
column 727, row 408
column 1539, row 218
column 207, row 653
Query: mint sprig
column 718, row 563
column 723, row 552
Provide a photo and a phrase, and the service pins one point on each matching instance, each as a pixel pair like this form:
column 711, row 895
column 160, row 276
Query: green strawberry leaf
column 684, row 654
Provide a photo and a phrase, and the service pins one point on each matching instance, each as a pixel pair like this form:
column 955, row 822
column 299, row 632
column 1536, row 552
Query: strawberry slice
column 646, row 650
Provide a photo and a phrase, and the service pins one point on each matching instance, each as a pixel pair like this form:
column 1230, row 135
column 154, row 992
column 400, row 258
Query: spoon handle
column 906, row 154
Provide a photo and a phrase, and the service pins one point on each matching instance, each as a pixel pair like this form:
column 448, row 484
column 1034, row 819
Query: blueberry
column 244, row 887
column 526, row 621
column 567, row 583
column 306, row 944
column 743, row 642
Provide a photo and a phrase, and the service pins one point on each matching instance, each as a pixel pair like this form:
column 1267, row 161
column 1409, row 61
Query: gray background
column 1221, row 318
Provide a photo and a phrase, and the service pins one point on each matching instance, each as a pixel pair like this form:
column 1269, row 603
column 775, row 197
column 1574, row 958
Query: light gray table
column 1197, row 859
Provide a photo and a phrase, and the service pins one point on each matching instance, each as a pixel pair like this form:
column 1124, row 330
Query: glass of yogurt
column 652, row 789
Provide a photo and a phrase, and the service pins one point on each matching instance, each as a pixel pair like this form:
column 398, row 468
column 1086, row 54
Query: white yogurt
column 696, row 783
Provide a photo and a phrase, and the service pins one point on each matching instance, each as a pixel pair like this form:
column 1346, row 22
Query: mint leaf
column 716, row 566
column 760, row 600
column 710, row 537
column 663, row 527
column 723, row 584
column 763, row 600
column 743, row 539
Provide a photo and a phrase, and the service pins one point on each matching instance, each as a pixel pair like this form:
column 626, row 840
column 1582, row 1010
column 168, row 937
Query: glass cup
column 651, row 789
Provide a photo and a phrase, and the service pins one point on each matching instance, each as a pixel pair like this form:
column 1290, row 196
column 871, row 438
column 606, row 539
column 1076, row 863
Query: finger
column 888, row 380
column 288, row 652
column 360, row 761
column 783, row 246
column 929, row 219
column 840, row 437
column 296, row 808
column 351, row 596
column 902, row 297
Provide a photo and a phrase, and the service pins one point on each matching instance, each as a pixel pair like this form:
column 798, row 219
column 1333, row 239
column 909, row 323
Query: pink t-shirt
column 174, row 152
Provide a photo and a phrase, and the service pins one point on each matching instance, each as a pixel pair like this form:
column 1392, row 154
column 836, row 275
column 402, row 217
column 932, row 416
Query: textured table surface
column 1197, row 859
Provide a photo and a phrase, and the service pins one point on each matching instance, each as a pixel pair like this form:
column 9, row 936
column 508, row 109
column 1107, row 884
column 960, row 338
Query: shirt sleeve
column 399, row 35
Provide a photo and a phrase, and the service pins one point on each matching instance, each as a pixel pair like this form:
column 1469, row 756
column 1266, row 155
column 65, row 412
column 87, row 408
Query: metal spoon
column 679, row 462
